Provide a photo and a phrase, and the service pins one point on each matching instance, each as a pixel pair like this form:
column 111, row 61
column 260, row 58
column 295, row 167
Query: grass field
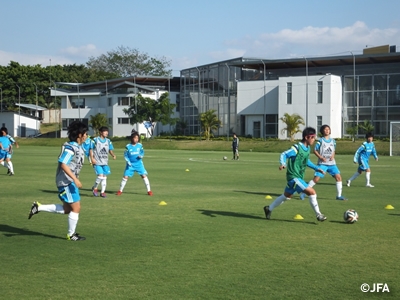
column 211, row 240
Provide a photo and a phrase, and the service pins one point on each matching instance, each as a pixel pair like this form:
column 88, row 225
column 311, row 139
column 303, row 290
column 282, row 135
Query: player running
column 325, row 150
column 362, row 158
column 134, row 154
column 70, row 163
column 6, row 150
column 297, row 158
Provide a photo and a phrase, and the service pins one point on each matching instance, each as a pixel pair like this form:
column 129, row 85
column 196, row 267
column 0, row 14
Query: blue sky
column 192, row 33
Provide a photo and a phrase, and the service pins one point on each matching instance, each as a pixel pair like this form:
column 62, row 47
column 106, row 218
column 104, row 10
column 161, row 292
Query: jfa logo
column 376, row 287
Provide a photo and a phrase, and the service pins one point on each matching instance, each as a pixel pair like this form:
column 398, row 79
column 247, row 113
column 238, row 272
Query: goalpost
column 395, row 138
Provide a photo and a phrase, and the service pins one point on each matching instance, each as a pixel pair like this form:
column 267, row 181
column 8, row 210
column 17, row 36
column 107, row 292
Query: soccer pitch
column 211, row 240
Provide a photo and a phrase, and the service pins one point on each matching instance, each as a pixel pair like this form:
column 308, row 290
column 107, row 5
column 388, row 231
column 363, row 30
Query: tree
column 209, row 122
column 181, row 126
column 366, row 126
column 293, row 123
column 126, row 62
column 150, row 111
column 98, row 121
column 352, row 131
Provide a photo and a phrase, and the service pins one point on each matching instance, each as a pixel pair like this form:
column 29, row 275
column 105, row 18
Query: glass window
column 365, row 83
column 394, row 114
column 319, row 121
column 78, row 102
column 365, row 99
column 178, row 103
column 110, row 121
column 394, row 82
column 380, row 82
column 380, row 98
column 394, row 97
column 380, row 113
column 289, row 93
column 109, row 101
column 123, row 101
column 123, row 120
column 271, row 125
column 349, row 99
column 319, row 92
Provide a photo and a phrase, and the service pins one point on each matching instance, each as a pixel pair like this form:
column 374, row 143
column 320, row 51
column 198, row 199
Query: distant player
column 297, row 158
column 325, row 150
column 134, row 154
column 70, row 163
column 6, row 150
column 235, row 147
column 99, row 156
column 361, row 157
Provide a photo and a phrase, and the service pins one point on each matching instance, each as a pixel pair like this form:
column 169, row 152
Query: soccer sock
column 3, row 164
column 339, row 187
column 147, row 183
column 278, row 201
column 368, row 177
column 314, row 204
column 103, row 184
column 97, row 182
column 123, row 183
column 355, row 175
column 52, row 208
column 311, row 183
column 10, row 166
column 73, row 218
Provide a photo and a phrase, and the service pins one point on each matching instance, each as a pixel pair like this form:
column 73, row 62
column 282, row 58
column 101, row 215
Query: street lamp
column 229, row 102
column 264, row 112
column 36, row 112
column 306, row 91
column 1, row 99
column 19, row 109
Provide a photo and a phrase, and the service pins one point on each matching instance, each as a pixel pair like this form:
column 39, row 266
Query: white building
column 20, row 124
column 80, row 101
column 320, row 104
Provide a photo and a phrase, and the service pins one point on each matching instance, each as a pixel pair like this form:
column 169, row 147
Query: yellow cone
column 162, row 203
column 298, row 217
column 268, row 197
column 389, row 207
column 187, row 170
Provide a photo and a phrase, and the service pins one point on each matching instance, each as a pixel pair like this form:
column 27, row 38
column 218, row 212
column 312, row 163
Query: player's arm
column 111, row 148
column 374, row 153
column 357, row 154
column 311, row 165
column 292, row 152
column 126, row 157
column 316, row 151
column 94, row 162
column 141, row 153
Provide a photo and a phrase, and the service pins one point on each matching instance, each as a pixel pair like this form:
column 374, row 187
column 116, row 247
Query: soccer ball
column 350, row 216
column 225, row 158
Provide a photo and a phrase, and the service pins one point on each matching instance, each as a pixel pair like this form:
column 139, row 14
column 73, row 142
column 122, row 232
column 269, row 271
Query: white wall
column 253, row 105
column 14, row 121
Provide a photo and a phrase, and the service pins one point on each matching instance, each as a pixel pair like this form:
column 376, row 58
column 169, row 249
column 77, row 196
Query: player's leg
column 289, row 191
column 143, row 173
column 106, row 171
column 129, row 171
column 237, row 154
column 314, row 203
column 368, row 177
column 10, row 166
column 355, row 175
column 99, row 177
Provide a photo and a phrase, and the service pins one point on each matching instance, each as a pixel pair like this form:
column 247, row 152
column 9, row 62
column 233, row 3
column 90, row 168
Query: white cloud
column 84, row 51
column 315, row 41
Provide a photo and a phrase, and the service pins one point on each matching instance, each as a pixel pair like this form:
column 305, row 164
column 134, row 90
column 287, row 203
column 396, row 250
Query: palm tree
column 366, row 126
column 293, row 123
column 98, row 121
column 209, row 122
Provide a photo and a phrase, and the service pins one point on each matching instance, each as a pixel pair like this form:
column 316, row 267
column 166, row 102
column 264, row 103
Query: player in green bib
column 295, row 160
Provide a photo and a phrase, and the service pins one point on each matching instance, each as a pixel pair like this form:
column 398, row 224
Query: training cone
column 162, row 203
column 389, row 207
column 268, row 197
column 187, row 170
column 298, row 217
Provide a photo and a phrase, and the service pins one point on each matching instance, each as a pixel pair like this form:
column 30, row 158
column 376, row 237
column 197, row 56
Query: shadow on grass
column 50, row 191
column 340, row 222
column 395, row 215
column 259, row 193
column 10, row 231
column 214, row 213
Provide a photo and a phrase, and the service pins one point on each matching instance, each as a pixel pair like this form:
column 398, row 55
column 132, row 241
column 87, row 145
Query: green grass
column 211, row 240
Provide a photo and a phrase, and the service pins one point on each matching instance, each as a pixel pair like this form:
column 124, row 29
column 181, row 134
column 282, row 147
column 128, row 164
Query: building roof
column 31, row 106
